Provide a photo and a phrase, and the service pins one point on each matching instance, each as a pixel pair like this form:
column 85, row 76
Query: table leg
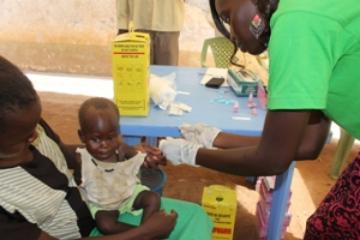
column 153, row 141
column 279, row 205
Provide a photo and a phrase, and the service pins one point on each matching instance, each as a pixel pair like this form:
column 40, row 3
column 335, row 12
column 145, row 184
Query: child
column 107, row 171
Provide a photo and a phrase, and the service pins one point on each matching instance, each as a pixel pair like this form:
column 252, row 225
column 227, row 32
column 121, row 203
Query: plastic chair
column 222, row 49
column 343, row 149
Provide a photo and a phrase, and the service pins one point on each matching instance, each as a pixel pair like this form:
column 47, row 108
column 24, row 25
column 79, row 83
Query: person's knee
column 106, row 223
column 152, row 199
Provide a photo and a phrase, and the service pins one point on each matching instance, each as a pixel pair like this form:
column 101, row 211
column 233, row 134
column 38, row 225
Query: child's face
column 20, row 132
column 101, row 134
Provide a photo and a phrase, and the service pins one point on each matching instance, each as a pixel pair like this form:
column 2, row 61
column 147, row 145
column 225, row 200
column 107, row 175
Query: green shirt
column 314, row 54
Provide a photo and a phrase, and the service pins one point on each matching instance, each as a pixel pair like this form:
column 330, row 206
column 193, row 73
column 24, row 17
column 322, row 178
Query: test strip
column 241, row 118
column 182, row 92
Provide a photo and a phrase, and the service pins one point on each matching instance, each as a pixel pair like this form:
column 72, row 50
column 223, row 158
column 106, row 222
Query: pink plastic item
column 262, row 95
column 236, row 107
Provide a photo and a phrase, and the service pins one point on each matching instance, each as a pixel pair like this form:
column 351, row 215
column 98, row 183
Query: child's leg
column 149, row 202
column 106, row 222
column 192, row 221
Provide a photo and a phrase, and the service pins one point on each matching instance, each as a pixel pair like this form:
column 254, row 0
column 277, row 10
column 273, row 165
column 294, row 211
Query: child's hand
column 160, row 224
column 154, row 156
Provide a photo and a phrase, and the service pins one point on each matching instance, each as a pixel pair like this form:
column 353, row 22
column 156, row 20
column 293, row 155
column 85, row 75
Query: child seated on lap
column 107, row 169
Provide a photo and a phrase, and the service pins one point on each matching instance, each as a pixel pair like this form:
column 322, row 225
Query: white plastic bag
column 162, row 90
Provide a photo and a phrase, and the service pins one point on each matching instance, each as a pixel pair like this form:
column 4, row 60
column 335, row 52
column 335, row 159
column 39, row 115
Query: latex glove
column 200, row 133
column 178, row 150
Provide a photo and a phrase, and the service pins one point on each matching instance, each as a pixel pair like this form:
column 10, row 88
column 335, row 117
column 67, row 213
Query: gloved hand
column 153, row 158
column 178, row 150
column 200, row 133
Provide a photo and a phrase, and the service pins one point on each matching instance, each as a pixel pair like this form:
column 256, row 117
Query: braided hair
column 265, row 7
column 16, row 90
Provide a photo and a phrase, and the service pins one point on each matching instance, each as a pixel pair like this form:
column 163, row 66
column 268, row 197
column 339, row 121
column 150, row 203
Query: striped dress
column 38, row 196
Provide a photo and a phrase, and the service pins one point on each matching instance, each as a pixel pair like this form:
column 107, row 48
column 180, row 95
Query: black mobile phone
column 215, row 82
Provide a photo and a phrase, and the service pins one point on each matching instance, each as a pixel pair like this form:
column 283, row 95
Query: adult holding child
column 38, row 199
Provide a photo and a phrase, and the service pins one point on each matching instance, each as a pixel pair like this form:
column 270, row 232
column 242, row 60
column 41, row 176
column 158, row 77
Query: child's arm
column 154, row 156
column 128, row 151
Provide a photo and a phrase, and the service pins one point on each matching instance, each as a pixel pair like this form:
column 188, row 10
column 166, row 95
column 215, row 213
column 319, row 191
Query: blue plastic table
column 207, row 109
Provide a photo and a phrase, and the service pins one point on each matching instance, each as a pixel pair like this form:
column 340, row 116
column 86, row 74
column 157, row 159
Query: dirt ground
column 310, row 183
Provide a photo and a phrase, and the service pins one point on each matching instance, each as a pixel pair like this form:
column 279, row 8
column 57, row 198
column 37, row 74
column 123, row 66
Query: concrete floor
column 310, row 182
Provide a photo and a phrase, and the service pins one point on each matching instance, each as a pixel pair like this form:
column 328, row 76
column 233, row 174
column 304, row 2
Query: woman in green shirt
column 314, row 78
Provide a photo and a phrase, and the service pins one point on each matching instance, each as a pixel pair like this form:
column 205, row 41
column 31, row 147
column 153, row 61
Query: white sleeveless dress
column 107, row 186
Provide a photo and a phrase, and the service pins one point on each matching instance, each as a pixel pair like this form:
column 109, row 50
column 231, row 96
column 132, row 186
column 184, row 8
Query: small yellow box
column 220, row 204
column 130, row 71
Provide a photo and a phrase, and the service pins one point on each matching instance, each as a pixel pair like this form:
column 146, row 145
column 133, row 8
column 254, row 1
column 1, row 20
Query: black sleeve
column 16, row 227
column 49, row 132
column 77, row 170
column 67, row 150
